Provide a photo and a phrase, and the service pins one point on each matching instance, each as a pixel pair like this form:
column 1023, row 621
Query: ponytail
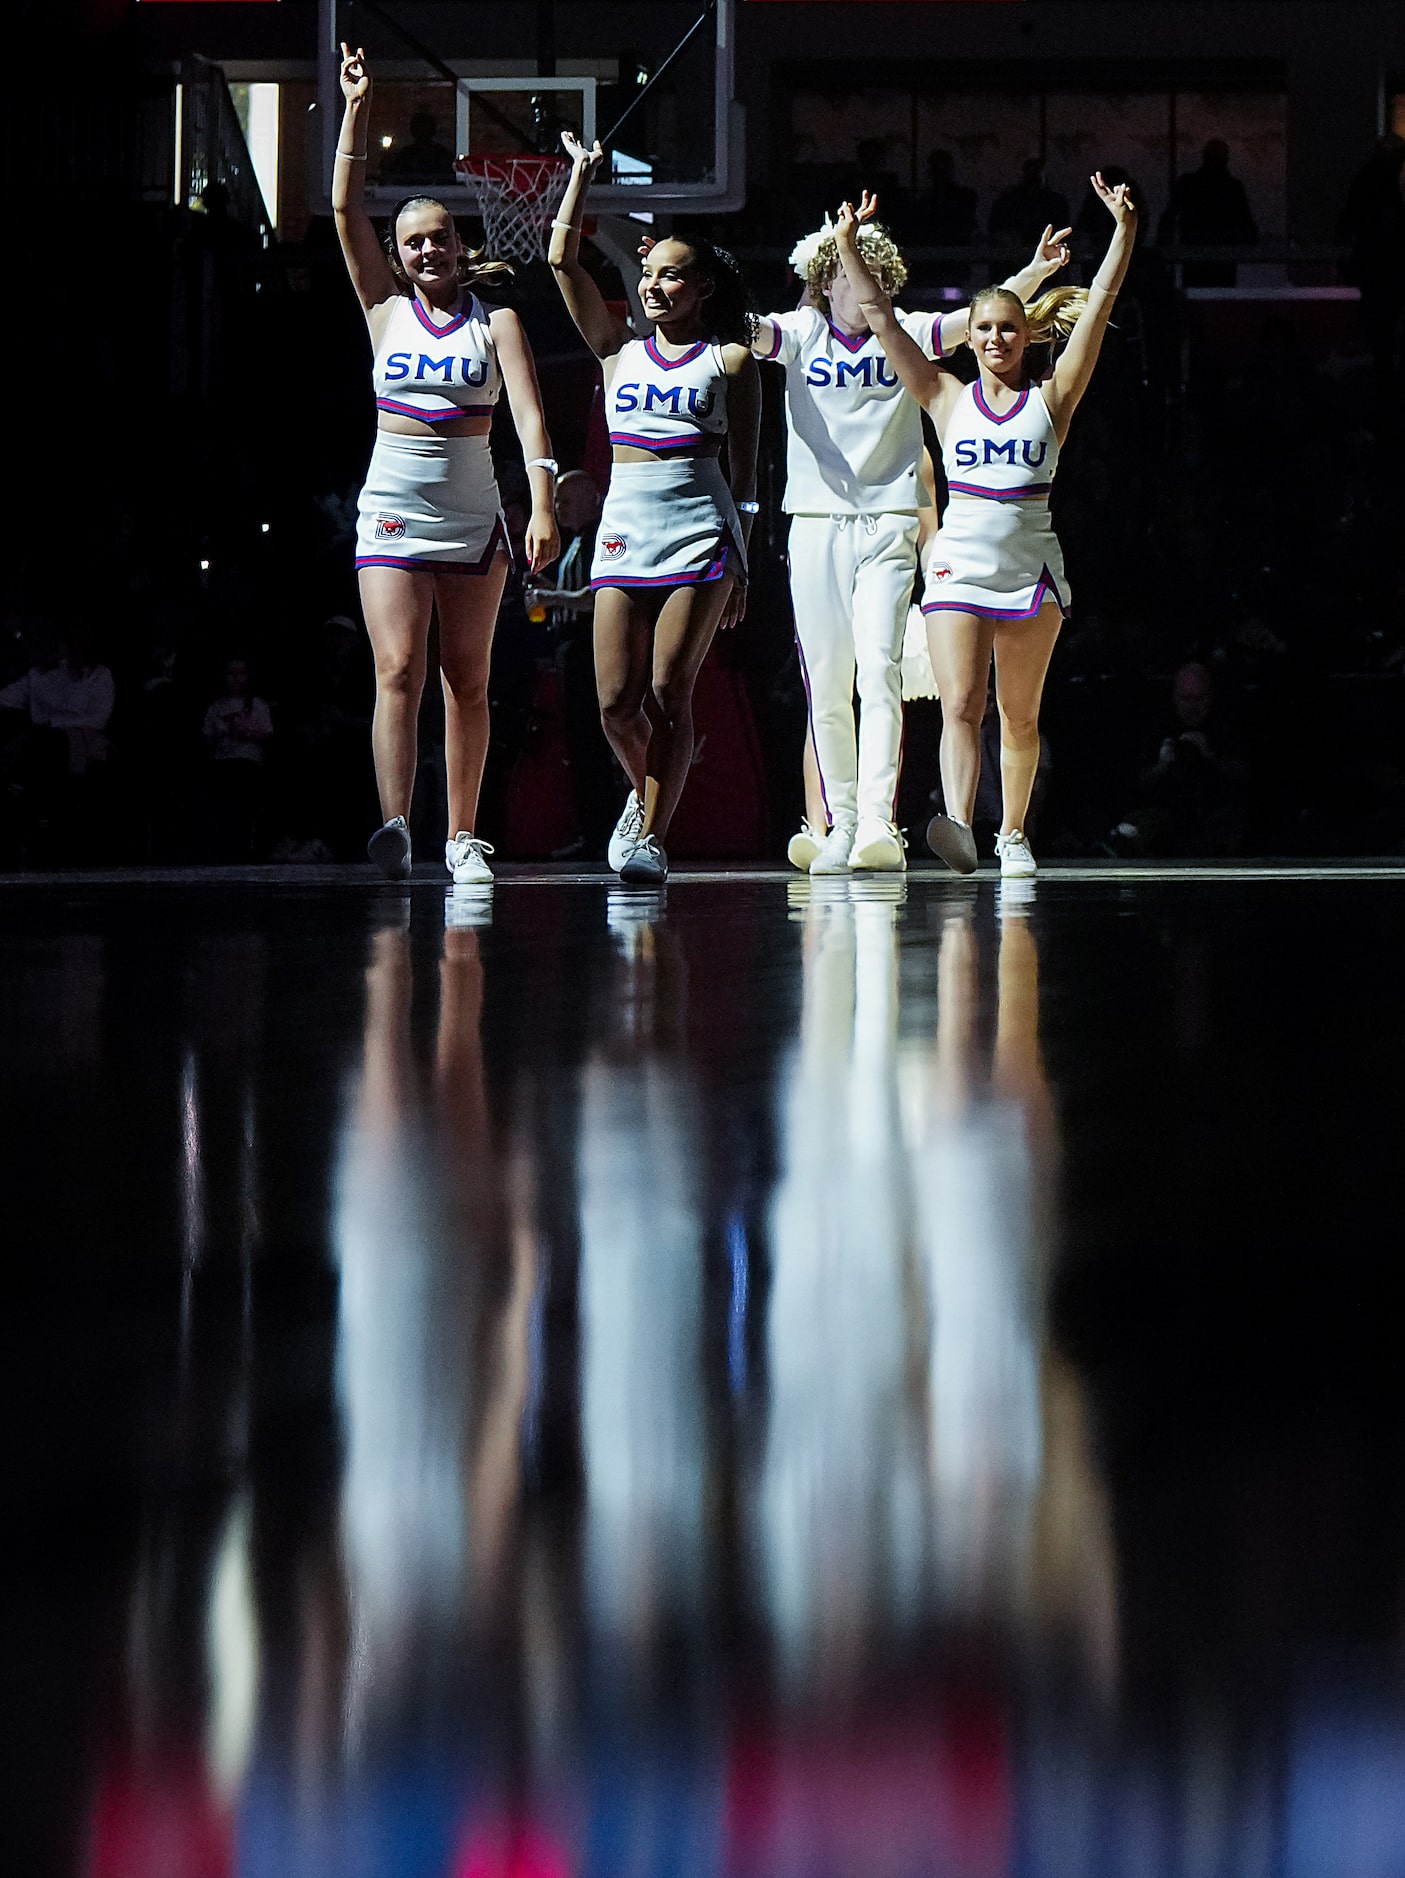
column 1054, row 314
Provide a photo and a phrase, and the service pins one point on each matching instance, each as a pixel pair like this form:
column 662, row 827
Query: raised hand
column 850, row 219
column 1052, row 250
column 355, row 79
column 647, row 244
column 1119, row 204
column 587, row 160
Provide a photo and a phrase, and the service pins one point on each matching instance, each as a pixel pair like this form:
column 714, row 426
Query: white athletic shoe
column 952, row 842
column 626, row 831
column 833, row 857
column 389, row 849
column 646, row 864
column 878, row 848
column 1012, row 851
column 804, row 847
column 466, row 859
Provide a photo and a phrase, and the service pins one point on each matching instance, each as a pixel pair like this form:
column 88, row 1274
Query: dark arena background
column 889, row 1375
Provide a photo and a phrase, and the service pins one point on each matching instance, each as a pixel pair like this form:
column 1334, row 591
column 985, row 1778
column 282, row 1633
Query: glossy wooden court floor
column 770, row 1379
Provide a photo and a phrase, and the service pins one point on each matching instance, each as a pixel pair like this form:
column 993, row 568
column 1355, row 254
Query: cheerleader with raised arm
column 670, row 553
column 854, row 493
column 995, row 584
column 430, row 535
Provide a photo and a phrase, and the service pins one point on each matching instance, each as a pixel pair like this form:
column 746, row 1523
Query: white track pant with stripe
column 851, row 582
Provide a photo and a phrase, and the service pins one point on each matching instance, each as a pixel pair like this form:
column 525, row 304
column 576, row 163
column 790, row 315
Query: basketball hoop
column 517, row 197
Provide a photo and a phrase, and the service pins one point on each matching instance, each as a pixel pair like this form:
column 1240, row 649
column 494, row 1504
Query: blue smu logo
column 400, row 365
column 968, row 453
column 823, row 373
column 664, row 398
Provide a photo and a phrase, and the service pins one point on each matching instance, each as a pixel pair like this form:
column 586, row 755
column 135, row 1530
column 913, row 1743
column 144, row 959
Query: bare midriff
column 632, row 453
column 412, row 427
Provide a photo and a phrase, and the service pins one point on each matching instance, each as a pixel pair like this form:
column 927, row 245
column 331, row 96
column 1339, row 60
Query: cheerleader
column 430, row 533
column 995, row 584
column 670, row 555
column 854, row 493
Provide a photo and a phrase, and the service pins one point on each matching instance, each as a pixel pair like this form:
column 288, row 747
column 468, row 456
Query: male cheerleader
column 853, row 493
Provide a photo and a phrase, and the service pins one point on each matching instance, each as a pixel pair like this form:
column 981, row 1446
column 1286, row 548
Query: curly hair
column 879, row 250
column 729, row 304
column 475, row 270
column 1050, row 318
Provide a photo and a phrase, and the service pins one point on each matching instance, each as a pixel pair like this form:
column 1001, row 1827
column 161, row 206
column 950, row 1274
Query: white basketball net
column 517, row 197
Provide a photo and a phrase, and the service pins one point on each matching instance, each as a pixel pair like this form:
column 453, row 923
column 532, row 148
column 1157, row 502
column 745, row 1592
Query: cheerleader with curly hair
column 995, row 585
column 854, row 491
column 670, row 552
column 430, row 535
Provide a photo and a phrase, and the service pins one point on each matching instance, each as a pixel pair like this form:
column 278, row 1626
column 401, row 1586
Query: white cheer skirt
column 998, row 560
column 430, row 502
column 667, row 524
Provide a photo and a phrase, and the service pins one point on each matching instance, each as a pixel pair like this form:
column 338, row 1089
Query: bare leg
column 397, row 603
column 816, row 811
column 468, row 611
column 1022, row 654
column 960, row 645
column 686, row 623
column 623, row 650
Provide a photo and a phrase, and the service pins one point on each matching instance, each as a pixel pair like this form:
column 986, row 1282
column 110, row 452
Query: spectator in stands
column 1193, row 796
column 73, row 697
column 1373, row 221
column 1022, row 212
column 1209, row 208
column 946, row 208
column 423, row 159
column 237, row 729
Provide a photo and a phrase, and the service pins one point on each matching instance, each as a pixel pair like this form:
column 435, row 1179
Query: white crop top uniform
column 997, row 555
column 668, row 521
column 430, row 502
column 437, row 370
column 658, row 403
column 854, row 436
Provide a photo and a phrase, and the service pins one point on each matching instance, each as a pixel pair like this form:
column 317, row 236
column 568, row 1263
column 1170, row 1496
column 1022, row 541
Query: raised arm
column 919, row 375
column 365, row 257
column 743, row 439
column 600, row 329
column 1051, row 253
column 1075, row 364
column 519, row 377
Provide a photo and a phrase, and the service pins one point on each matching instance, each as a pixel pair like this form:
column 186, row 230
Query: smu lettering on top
column 659, row 403
column 854, row 436
column 437, row 371
column 1010, row 456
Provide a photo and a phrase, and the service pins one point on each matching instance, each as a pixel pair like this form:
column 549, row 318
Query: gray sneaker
column 952, row 842
column 646, row 864
column 389, row 849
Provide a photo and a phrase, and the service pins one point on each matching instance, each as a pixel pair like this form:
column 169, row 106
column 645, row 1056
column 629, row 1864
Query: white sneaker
column 878, row 848
column 646, row 864
column 1012, row 851
column 952, row 841
column 804, row 847
column 626, row 831
column 833, row 856
column 466, row 859
column 389, row 849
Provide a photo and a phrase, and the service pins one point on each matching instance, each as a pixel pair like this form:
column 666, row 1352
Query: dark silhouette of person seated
column 423, row 159
column 946, row 209
column 1373, row 222
column 1209, row 208
column 1194, row 795
column 1022, row 212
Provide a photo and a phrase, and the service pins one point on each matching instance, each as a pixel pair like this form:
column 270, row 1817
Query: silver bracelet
column 548, row 463
column 570, row 227
column 748, row 508
column 348, row 156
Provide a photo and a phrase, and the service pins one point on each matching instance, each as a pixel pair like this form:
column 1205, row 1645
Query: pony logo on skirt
column 390, row 527
column 614, row 546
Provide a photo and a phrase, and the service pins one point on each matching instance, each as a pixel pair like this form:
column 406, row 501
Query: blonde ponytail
column 1054, row 314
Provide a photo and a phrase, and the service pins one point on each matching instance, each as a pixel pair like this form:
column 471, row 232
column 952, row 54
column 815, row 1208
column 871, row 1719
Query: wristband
column 349, row 156
column 548, row 463
column 569, row 227
column 748, row 508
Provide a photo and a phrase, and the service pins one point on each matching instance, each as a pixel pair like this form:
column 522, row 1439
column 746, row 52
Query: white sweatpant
column 851, row 580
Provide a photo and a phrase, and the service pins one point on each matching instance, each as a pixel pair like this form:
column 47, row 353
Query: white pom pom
column 808, row 246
